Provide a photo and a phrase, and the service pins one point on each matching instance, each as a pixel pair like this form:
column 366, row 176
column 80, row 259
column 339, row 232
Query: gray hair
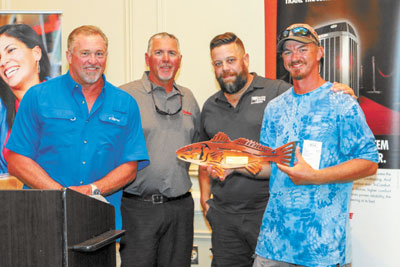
column 159, row 36
column 86, row 30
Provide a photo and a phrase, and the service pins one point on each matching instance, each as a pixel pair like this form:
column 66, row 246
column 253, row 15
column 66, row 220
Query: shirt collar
column 256, row 83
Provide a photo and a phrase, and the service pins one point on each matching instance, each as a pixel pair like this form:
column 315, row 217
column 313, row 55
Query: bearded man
column 235, row 212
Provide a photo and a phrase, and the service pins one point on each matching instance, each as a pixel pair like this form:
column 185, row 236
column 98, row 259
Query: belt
column 155, row 198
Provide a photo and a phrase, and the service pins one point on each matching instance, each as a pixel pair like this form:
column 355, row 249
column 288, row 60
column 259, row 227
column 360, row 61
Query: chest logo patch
column 112, row 118
column 257, row 99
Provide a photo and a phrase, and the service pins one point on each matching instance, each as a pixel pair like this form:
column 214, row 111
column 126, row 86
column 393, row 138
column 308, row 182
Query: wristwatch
column 95, row 190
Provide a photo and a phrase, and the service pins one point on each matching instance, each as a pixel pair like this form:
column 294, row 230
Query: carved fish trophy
column 222, row 153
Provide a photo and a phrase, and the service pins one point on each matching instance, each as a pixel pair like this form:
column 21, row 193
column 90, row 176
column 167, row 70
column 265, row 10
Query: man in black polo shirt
column 237, row 207
column 238, row 203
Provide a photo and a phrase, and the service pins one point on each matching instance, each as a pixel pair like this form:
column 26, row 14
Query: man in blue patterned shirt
column 306, row 222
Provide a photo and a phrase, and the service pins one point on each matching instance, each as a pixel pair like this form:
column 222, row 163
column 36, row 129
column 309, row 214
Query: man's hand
column 220, row 174
column 205, row 191
column 302, row 173
column 342, row 87
column 204, row 206
column 83, row 189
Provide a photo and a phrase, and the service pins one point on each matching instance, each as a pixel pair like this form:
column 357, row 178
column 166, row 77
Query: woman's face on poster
column 18, row 63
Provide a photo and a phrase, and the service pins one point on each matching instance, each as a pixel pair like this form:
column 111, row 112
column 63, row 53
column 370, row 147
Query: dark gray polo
column 239, row 194
column 164, row 134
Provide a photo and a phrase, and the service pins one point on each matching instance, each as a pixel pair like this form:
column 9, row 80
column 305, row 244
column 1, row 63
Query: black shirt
column 238, row 193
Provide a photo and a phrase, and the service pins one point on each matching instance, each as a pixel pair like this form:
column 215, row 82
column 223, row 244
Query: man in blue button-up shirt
column 78, row 130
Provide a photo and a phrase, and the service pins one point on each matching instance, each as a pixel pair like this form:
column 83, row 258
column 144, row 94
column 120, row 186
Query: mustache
column 228, row 74
column 295, row 62
column 166, row 65
column 92, row 66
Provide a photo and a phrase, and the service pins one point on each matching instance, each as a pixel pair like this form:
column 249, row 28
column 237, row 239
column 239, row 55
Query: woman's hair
column 30, row 38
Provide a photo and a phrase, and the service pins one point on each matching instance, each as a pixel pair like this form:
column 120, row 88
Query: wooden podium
column 55, row 228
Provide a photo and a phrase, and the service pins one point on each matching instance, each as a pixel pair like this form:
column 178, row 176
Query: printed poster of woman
column 30, row 53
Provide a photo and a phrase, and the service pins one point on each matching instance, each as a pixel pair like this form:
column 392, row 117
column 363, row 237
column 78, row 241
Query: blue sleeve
column 135, row 145
column 267, row 134
column 24, row 137
column 3, row 136
column 356, row 138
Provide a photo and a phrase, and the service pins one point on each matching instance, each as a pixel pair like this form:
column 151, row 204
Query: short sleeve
column 24, row 137
column 134, row 147
column 357, row 139
column 267, row 133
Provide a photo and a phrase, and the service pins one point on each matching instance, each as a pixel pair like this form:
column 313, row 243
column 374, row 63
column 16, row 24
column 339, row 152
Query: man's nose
column 295, row 55
column 92, row 58
column 225, row 66
column 165, row 57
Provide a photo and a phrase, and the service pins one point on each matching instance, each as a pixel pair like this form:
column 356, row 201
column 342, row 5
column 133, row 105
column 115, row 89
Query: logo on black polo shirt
column 257, row 99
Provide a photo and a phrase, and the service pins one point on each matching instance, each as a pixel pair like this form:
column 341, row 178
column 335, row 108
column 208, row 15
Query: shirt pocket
column 60, row 125
column 112, row 128
column 119, row 118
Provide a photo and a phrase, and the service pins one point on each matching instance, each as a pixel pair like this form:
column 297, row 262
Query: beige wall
column 129, row 23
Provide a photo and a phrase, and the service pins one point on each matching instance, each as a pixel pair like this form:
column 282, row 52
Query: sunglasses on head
column 298, row 31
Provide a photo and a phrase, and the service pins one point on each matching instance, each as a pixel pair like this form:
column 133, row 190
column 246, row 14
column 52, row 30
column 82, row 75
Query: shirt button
column 83, row 102
column 87, row 121
column 83, row 162
column 85, row 141
column 81, row 182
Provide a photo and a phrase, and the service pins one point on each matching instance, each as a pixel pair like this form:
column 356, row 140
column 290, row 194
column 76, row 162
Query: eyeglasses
column 159, row 111
column 298, row 31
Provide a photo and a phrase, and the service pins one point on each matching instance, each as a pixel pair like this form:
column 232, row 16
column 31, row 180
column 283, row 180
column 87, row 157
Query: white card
column 312, row 153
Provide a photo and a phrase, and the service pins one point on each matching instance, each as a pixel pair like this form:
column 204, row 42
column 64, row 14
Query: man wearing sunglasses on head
column 157, row 208
column 306, row 221
column 237, row 206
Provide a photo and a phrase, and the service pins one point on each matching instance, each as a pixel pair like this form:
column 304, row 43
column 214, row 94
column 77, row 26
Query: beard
column 233, row 87
column 297, row 76
column 93, row 77
column 296, row 73
column 169, row 76
column 90, row 79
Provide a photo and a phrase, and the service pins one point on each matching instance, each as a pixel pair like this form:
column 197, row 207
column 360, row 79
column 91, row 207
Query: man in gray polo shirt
column 157, row 208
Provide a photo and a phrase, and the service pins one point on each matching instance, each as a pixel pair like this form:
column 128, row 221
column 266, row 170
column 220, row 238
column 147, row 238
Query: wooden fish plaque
column 222, row 153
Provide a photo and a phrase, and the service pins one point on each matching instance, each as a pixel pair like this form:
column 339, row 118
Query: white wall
column 129, row 24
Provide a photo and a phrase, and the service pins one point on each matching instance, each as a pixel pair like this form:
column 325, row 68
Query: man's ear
column 246, row 60
column 320, row 53
column 147, row 59
column 68, row 54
